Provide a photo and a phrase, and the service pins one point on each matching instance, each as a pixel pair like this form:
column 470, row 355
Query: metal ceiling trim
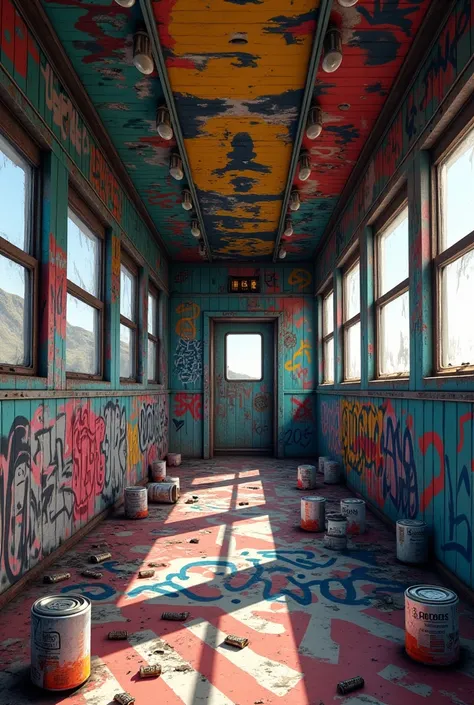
column 323, row 16
column 150, row 24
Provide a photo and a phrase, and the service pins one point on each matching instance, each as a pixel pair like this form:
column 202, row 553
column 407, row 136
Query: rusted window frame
column 154, row 291
column 28, row 152
column 391, row 213
column 129, row 263
column 82, row 211
column 351, row 322
column 446, row 147
column 325, row 294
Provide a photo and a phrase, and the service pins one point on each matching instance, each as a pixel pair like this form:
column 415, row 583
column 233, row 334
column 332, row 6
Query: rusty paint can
column 165, row 492
column 412, row 541
column 174, row 481
column 313, row 511
column 92, row 574
column 347, row 686
column 431, row 625
column 136, row 502
column 174, row 459
column 175, row 616
column 60, row 641
column 240, row 641
column 335, row 543
column 150, row 671
column 354, row 511
column 337, row 525
column 117, row 635
column 332, row 472
column 306, row 477
column 124, row 699
column 158, row 471
column 322, row 460
column 100, row 557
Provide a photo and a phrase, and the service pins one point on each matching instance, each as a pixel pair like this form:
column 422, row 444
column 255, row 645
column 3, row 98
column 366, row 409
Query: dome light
column 187, row 201
column 142, row 57
column 176, row 167
column 127, row 3
column 332, row 50
column 305, row 167
column 288, row 228
column 295, row 202
column 195, row 229
column 282, row 253
column 314, row 124
column 163, row 123
column 347, row 3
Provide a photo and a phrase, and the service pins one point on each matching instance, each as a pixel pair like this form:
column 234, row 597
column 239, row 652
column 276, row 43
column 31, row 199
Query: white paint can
column 165, row 492
column 431, row 625
column 354, row 511
column 313, row 510
column 175, row 481
column 337, row 525
column 136, row 502
column 412, row 541
column 306, row 477
column 174, row 459
column 158, row 471
column 321, row 461
column 335, row 543
column 60, row 641
column 332, row 472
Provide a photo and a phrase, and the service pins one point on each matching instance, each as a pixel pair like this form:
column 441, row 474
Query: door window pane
column 457, row 175
column 127, row 352
column 127, row 293
column 15, row 313
column 243, row 353
column 83, row 256
column 152, row 351
column 395, row 336
column 152, row 314
column 457, row 295
column 328, row 314
column 352, row 292
column 15, row 201
column 82, row 337
column 352, row 349
column 393, row 253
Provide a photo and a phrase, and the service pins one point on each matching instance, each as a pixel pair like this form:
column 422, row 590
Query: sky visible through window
column 244, row 356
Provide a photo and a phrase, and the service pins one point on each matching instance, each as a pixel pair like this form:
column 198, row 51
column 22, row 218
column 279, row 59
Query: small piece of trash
column 156, row 565
column 243, row 504
column 194, row 541
column 184, row 668
column 195, row 496
column 191, row 501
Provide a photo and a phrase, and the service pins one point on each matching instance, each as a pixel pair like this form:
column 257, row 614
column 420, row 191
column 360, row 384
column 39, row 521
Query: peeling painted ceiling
column 238, row 107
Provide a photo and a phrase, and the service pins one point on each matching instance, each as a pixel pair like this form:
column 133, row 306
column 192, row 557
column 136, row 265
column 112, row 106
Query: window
column 351, row 322
column 18, row 263
column 392, row 296
column 153, row 340
column 128, row 319
column 454, row 262
column 85, row 306
column 328, row 338
column 243, row 357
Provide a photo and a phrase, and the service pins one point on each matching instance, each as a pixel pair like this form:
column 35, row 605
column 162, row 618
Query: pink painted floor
column 313, row 617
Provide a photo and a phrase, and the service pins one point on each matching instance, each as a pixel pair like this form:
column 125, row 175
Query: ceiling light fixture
column 163, row 123
column 295, row 202
column 314, row 124
column 125, row 3
column 142, row 57
column 288, row 228
column 195, row 229
column 239, row 38
column 282, row 253
column 187, row 201
column 347, row 3
column 176, row 166
column 305, row 166
column 332, row 50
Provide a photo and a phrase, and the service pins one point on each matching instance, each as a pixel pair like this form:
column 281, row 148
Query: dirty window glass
column 393, row 253
column 243, row 354
column 15, row 201
column 83, row 256
column 15, row 318
column 457, row 297
column 457, row 179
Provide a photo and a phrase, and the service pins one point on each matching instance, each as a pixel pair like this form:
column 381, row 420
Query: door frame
column 210, row 319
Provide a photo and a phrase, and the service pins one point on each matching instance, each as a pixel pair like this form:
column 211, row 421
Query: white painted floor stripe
column 103, row 693
column 191, row 686
column 276, row 677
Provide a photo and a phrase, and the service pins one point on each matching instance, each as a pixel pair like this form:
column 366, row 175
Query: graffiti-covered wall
column 198, row 290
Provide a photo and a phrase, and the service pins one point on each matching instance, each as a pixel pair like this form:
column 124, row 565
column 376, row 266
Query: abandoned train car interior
column 236, row 352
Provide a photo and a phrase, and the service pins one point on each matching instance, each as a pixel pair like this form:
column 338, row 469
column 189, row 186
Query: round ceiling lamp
column 142, row 57
column 295, row 202
column 314, row 124
column 282, row 253
column 125, row 3
column 187, row 202
column 304, row 167
column 332, row 50
column 163, row 123
column 288, row 228
column 195, row 229
column 176, row 167
column 347, row 3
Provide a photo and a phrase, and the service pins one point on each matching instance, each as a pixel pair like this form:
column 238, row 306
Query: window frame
column 129, row 263
column 446, row 147
column 246, row 381
column 154, row 291
column 391, row 213
column 28, row 152
column 351, row 322
column 325, row 294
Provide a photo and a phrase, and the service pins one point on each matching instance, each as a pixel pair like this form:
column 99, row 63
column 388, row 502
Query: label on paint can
column 412, row 541
column 158, row 470
column 313, row 513
column 431, row 625
column 136, row 502
column 335, row 543
column 354, row 511
column 337, row 525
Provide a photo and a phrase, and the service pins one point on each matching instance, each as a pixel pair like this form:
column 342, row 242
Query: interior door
column 243, row 387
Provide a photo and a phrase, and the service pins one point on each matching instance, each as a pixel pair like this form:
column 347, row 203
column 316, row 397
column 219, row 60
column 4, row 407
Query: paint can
column 158, row 471
column 337, row 525
column 354, row 511
column 412, row 541
column 165, row 492
column 335, row 543
column 136, row 502
column 174, row 459
column 313, row 511
column 332, row 472
column 306, row 477
column 175, row 481
column 60, row 641
column 431, row 625
column 321, row 462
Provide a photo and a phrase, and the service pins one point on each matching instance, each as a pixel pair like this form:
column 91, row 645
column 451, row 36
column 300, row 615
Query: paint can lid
column 336, row 517
column 431, row 594
column 352, row 500
column 306, row 467
column 332, row 463
column 313, row 499
column 414, row 523
column 61, row 605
